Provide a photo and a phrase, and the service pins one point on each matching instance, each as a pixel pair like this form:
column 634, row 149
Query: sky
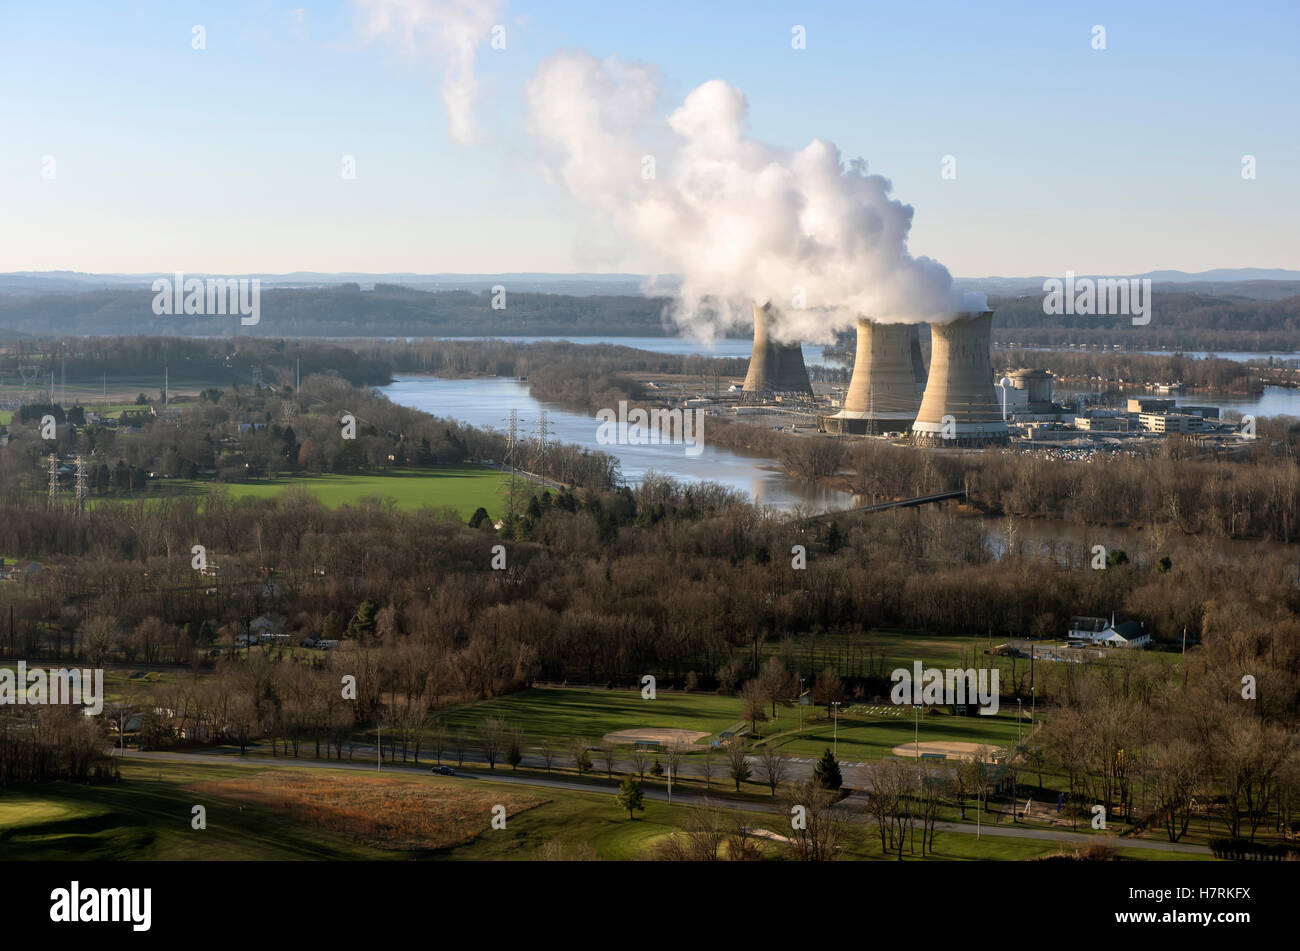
column 125, row 149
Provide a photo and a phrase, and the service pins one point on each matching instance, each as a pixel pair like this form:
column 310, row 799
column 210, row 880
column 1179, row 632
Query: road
column 855, row 804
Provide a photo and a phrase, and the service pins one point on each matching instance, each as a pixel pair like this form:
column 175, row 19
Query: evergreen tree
column 827, row 772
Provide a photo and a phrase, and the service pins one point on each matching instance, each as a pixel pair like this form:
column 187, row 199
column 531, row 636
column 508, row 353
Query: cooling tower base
column 862, row 424
column 960, row 436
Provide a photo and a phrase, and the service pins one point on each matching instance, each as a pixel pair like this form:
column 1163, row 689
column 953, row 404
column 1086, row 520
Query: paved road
column 855, row 804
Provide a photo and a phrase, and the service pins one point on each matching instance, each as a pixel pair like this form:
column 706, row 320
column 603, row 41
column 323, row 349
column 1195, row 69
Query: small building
column 1096, row 631
column 1171, row 422
column 1101, row 424
column 1150, row 404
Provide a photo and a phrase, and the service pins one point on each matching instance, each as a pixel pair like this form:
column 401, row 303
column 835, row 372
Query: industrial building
column 775, row 369
column 1171, row 423
column 959, row 407
column 888, row 377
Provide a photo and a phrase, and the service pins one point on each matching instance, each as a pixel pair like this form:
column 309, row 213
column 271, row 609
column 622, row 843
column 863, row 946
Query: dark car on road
column 443, row 771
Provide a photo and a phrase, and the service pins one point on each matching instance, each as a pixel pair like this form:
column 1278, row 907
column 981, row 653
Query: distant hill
column 1261, row 283
column 387, row 310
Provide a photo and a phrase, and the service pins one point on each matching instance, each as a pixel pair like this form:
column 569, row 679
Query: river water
column 486, row 402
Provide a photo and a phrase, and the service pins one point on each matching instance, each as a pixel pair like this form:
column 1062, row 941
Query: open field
column 257, row 811
column 461, row 488
column 559, row 714
column 401, row 812
column 950, row 750
column 681, row 739
column 868, row 737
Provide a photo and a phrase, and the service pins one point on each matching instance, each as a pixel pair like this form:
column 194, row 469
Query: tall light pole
column 916, row 727
column 835, row 741
column 1018, row 708
column 799, row 702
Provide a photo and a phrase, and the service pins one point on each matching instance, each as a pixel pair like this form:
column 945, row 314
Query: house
column 18, row 570
column 264, row 627
column 1097, row 632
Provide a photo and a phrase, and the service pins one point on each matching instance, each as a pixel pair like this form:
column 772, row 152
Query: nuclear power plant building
column 885, row 390
column 960, row 407
column 775, row 369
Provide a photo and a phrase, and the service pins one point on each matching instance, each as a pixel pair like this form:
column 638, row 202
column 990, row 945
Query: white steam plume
column 449, row 30
column 738, row 219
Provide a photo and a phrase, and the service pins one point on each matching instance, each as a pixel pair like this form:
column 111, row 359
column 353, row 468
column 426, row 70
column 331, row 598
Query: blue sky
column 227, row 159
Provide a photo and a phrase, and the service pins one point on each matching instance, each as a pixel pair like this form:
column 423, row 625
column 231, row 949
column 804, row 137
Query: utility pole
column 835, row 740
column 916, row 728
column 800, row 703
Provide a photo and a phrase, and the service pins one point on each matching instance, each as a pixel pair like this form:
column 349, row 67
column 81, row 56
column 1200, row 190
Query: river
column 486, row 402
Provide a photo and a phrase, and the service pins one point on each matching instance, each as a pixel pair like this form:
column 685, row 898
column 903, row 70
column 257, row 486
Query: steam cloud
column 738, row 219
column 450, row 30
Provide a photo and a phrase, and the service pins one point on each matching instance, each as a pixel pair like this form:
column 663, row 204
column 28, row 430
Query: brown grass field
column 387, row 812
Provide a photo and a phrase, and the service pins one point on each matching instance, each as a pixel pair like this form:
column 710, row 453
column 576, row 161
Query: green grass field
column 560, row 714
column 461, row 488
column 147, row 816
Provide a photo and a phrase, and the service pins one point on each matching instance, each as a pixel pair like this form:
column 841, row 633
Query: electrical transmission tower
column 512, row 460
column 543, row 430
column 512, row 437
column 54, row 479
column 81, row 486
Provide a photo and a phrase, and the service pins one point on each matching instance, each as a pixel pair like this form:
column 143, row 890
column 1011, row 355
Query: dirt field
column 386, row 812
column 681, row 739
column 954, row 750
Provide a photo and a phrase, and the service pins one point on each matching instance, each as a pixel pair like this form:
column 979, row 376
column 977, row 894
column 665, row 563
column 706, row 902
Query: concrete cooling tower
column 885, row 392
column 960, row 407
column 774, row 368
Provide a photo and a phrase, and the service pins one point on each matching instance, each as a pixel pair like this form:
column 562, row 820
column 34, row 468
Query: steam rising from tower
column 959, row 407
column 774, row 367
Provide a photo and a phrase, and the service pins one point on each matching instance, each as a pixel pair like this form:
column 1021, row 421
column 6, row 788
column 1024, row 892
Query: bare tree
column 706, row 767
column 491, row 738
column 640, row 762
column 817, row 825
column 737, row 750
column 546, row 749
column 608, row 755
column 772, row 766
column 578, row 747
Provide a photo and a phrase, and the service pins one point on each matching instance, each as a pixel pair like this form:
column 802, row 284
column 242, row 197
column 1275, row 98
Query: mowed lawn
column 460, row 488
column 865, row 737
column 558, row 714
column 463, row 488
